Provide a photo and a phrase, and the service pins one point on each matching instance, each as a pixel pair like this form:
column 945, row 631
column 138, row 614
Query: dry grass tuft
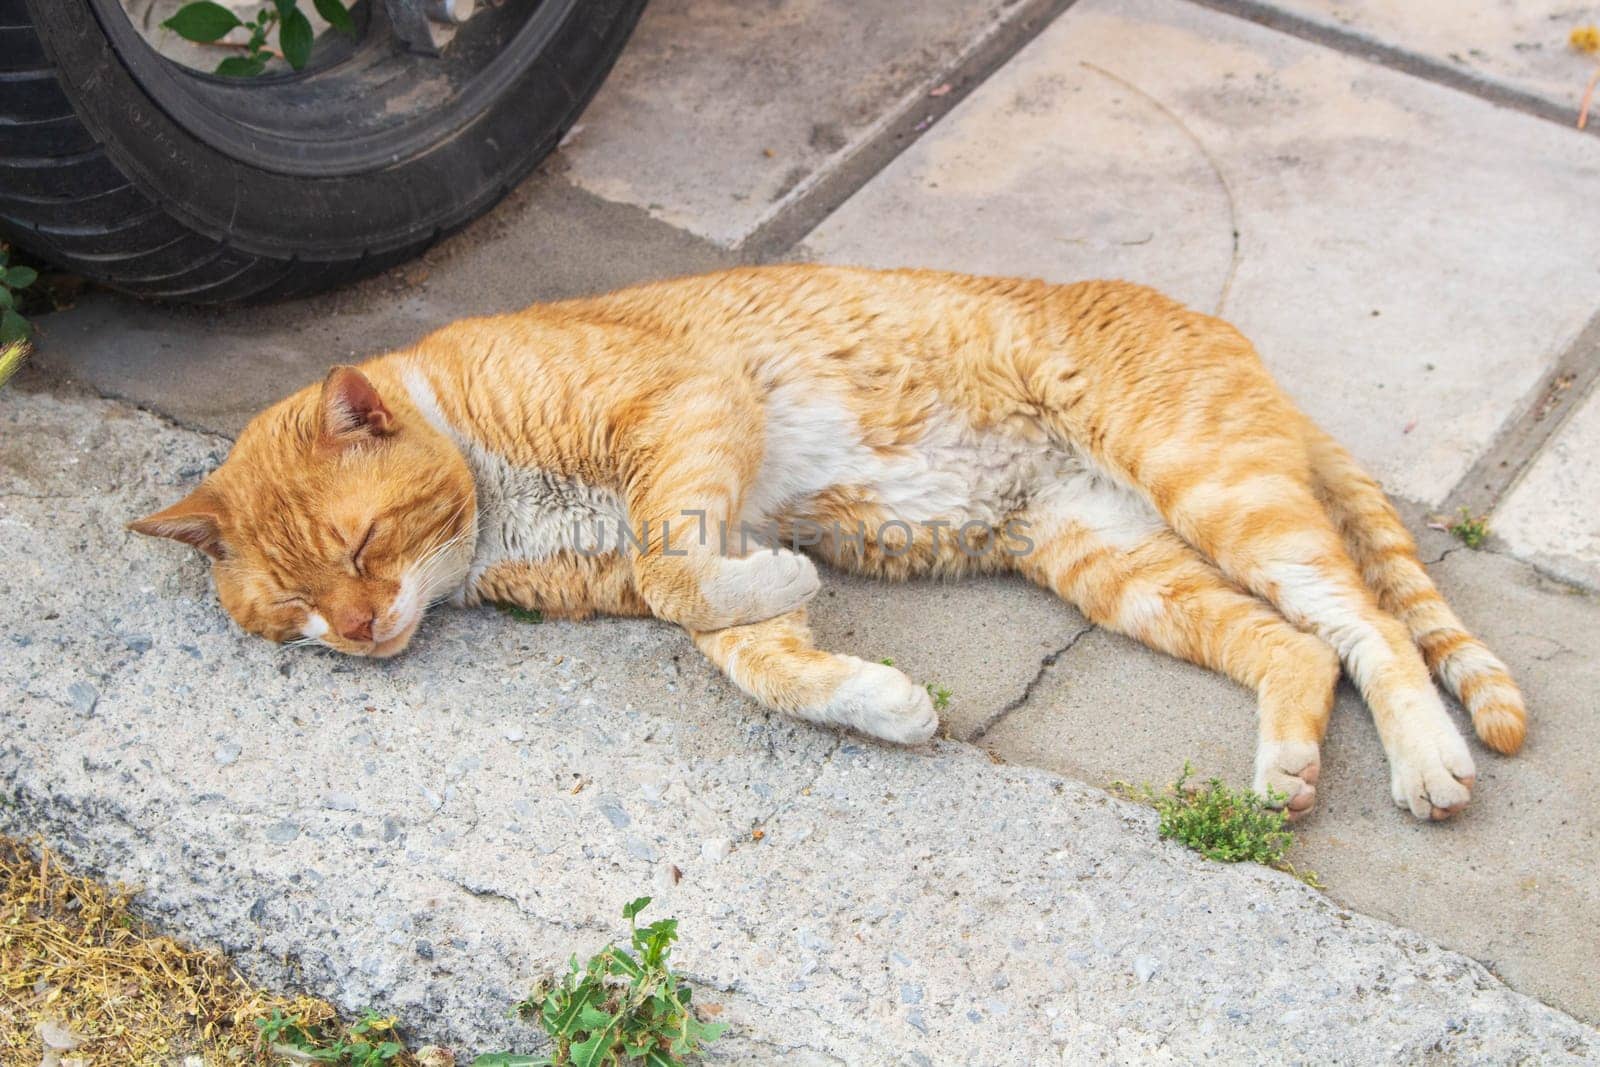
column 74, row 960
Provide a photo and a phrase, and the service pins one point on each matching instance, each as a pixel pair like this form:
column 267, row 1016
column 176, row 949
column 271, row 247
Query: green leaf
column 21, row 277
column 562, row 1021
column 625, row 963
column 591, row 1052
column 592, row 1018
column 203, row 21
column 334, row 12
column 242, row 66
column 7, row 301
column 521, row 614
column 14, row 327
column 636, row 907
column 509, row 1059
column 295, row 37
column 656, row 1058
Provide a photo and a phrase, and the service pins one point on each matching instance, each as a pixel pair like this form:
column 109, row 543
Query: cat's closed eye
column 361, row 547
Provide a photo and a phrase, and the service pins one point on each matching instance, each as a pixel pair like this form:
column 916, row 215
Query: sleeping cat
column 652, row 450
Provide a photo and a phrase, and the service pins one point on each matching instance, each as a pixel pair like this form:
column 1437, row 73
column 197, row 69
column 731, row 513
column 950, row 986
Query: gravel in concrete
column 1552, row 515
column 431, row 833
column 1374, row 213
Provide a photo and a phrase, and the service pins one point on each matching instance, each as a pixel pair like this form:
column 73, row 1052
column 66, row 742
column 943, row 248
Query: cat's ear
column 352, row 410
column 195, row 520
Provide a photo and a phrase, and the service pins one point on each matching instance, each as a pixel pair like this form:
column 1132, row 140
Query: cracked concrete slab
column 1518, row 46
column 721, row 113
column 1538, row 519
column 1373, row 212
column 1520, row 864
column 428, row 834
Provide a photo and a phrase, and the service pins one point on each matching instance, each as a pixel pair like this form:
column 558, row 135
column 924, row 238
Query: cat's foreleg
column 686, row 481
column 1106, row 551
column 775, row 663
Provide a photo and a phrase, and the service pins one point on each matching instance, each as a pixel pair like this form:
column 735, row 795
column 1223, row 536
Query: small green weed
column 886, row 661
column 14, row 278
column 368, row 1042
column 1222, row 824
column 521, row 614
column 940, row 695
column 623, row 1007
column 1472, row 532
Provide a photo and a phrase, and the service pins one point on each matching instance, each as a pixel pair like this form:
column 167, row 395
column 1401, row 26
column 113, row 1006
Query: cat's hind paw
column 881, row 702
column 1431, row 773
column 1286, row 776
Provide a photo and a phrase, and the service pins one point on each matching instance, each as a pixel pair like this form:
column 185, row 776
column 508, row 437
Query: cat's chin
column 396, row 644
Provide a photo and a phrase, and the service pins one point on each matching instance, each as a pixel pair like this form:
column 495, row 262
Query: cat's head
column 339, row 517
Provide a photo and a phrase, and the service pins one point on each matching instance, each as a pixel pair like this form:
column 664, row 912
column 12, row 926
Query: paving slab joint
column 1522, row 439
column 900, row 126
column 57, row 385
column 1387, row 55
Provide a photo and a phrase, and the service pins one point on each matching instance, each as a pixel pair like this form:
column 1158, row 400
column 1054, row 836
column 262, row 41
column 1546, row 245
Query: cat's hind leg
column 1104, row 549
column 1382, row 547
column 775, row 663
column 1242, row 494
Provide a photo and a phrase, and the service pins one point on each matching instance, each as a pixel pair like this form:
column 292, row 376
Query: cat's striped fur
column 1160, row 479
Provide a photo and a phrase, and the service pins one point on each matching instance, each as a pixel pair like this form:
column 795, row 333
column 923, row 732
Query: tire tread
column 65, row 198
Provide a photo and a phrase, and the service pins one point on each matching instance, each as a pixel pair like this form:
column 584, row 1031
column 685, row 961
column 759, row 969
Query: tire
column 168, row 183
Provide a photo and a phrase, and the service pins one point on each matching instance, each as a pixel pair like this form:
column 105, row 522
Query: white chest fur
column 524, row 513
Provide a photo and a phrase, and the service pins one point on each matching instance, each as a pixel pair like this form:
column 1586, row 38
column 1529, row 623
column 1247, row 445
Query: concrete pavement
column 431, row 833
column 1410, row 240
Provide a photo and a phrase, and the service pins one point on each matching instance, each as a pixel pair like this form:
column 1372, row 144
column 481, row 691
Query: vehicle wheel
column 166, row 182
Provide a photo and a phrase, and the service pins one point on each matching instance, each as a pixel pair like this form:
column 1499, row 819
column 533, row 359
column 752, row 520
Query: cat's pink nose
column 354, row 624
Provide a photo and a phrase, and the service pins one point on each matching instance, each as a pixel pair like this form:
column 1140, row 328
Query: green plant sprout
column 207, row 22
column 14, row 278
column 625, row 1006
column 367, row 1042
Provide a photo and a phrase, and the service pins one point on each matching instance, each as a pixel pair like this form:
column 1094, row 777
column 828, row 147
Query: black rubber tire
column 99, row 178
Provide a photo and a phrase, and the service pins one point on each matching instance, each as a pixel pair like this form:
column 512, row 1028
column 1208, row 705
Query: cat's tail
column 1384, row 550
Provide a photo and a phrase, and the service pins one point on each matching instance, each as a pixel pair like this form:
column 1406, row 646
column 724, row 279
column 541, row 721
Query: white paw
column 1289, row 769
column 762, row 586
column 883, row 703
column 1431, row 771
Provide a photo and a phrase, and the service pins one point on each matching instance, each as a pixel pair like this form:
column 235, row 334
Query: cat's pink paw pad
column 1286, row 776
column 1432, row 775
column 883, row 703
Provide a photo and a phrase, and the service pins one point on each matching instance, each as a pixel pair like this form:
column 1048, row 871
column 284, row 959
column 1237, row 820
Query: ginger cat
column 611, row 455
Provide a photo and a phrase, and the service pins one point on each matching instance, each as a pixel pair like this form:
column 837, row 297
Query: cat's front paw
column 881, row 702
column 1430, row 770
column 761, row 586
